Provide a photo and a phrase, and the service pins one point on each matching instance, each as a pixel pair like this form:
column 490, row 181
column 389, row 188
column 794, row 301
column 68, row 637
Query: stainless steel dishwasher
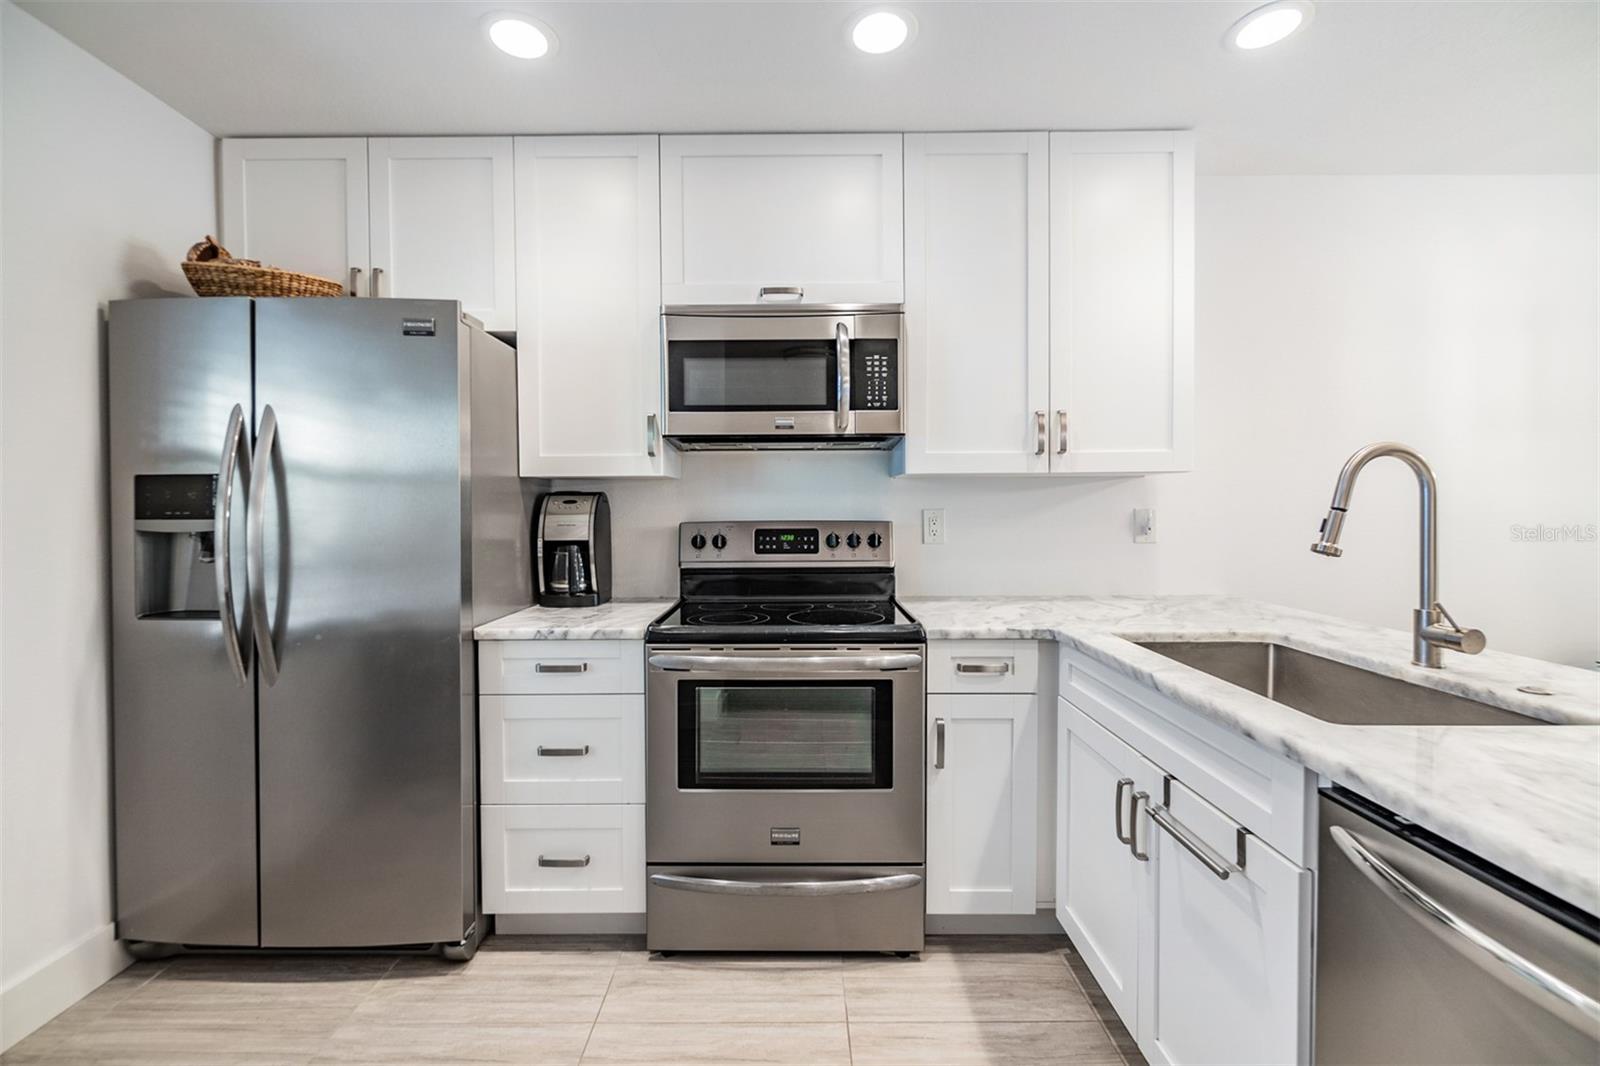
column 1427, row 954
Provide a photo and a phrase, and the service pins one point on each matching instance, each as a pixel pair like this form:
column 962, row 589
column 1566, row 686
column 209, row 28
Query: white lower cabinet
column 562, row 749
column 983, row 799
column 557, row 859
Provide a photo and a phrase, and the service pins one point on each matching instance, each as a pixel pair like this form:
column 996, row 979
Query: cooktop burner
column 847, row 613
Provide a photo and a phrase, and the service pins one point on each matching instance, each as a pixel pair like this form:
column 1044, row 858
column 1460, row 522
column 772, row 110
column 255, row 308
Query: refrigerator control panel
column 183, row 496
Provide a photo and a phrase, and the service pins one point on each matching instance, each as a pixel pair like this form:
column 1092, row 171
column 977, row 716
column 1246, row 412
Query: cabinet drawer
column 563, row 859
column 537, row 667
column 562, row 749
column 983, row 666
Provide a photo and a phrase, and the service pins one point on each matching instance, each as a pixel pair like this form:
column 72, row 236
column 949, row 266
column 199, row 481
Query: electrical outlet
column 1144, row 525
column 933, row 525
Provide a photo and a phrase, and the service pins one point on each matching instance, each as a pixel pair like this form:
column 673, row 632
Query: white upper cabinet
column 813, row 218
column 1122, row 301
column 299, row 204
column 442, row 223
column 589, row 307
column 977, row 303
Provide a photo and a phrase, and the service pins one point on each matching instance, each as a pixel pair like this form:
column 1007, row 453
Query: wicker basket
column 213, row 272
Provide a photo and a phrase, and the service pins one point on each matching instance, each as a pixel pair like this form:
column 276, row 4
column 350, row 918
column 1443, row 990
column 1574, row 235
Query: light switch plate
column 1144, row 525
column 933, row 525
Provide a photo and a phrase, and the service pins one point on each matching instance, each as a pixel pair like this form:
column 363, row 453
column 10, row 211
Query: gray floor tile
column 963, row 1044
column 963, row 988
column 726, row 990
column 766, row 1045
column 455, row 1044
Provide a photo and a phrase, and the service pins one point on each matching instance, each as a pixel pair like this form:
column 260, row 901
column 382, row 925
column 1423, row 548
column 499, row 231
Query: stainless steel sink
column 1331, row 691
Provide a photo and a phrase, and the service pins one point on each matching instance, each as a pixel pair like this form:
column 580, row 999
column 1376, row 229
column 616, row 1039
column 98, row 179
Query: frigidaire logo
column 1540, row 533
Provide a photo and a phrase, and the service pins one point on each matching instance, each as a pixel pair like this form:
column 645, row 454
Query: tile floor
column 1012, row 1000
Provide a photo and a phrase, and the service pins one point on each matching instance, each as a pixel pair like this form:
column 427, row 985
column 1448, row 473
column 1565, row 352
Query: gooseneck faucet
column 1432, row 627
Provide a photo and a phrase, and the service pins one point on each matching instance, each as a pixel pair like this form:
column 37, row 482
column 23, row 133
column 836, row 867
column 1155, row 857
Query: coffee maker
column 572, row 547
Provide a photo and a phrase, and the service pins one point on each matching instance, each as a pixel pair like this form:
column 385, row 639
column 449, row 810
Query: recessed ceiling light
column 1269, row 24
column 519, row 37
column 881, row 31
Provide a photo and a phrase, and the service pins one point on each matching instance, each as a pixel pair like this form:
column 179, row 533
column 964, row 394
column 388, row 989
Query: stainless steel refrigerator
column 312, row 503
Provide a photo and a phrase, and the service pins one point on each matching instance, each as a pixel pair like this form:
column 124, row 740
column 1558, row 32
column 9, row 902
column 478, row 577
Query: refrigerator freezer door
column 183, row 722
column 361, row 734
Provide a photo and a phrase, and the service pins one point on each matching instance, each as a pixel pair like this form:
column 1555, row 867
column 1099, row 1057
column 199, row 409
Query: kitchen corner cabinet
column 419, row 217
column 1122, row 302
column 589, row 382
column 977, row 303
column 808, row 218
column 983, row 787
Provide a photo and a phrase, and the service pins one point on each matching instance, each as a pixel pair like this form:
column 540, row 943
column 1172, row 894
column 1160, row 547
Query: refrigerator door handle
column 235, row 457
column 255, row 547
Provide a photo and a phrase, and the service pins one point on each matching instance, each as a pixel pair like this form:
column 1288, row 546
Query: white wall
column 104, row 189
column 1456, row 314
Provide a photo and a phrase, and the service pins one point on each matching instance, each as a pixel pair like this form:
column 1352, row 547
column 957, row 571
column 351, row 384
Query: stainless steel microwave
column 785, row 377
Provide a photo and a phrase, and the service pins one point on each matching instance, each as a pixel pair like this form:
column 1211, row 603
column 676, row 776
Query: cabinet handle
column 1191, row 843
column 355, row 281
column 1038, row 425
column 780, row 294
column 1061, row 432
column 983, row 668
column 652, row 434
column 1122, row 785
column 1133, row 825
column 375, row 289
column 548, row 752
column 561, row 668
column 938, row 743
column 564, row 862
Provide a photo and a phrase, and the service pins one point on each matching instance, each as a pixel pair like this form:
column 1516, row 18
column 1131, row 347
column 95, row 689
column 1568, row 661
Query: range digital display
column 786, row 541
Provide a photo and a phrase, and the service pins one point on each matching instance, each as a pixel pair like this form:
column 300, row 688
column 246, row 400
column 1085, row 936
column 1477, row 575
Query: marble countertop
column 1525, row 798
column 617, row 620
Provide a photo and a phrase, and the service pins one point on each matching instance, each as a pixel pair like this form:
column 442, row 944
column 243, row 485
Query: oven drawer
column 563, row 859
column 785, row 908
column 535, row 667
column 983, row 666
column 562, row 749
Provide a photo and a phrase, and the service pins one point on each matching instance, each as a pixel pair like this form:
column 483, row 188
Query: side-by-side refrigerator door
column 183, row 693
column 359, row 622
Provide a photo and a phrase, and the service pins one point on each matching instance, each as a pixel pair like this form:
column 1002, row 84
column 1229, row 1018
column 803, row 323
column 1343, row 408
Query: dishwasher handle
column 1503, row 962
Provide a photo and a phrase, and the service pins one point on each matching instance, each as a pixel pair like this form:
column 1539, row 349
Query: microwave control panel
column 874, row 375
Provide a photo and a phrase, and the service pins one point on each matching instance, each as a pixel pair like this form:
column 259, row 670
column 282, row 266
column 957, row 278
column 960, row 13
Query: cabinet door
column 442, row 224
column 1225, row 974
column 553, row 859
column 1100, row 883
column 1122, row 301
column 298, row 203
column 818, row 213
column 978, row 302
column 983, row 799
column 589, row 308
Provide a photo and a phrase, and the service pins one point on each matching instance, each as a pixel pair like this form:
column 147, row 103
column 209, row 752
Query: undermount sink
column 1332, row 691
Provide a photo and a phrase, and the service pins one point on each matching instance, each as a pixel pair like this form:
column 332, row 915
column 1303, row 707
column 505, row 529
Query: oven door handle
column 853, row 886
column 774, row 664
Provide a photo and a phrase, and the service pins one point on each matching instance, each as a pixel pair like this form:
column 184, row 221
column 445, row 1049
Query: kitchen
column 842, row 590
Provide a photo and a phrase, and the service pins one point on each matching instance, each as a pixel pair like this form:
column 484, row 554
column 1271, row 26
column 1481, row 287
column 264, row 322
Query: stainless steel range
column 785, row 773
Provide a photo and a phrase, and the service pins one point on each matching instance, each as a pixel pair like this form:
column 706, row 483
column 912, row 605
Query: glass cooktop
column 766, row 621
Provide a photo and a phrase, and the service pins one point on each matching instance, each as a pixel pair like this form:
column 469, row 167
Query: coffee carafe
column 572, row 547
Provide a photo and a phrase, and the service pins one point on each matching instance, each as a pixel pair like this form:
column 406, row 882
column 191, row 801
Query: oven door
column 785, row 755
column 804, row 377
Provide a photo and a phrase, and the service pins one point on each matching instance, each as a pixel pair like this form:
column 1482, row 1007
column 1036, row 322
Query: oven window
column 783, row 734
column 751, row 375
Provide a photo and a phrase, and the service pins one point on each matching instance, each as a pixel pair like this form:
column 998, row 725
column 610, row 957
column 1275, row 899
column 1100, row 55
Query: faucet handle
column 1466, row 641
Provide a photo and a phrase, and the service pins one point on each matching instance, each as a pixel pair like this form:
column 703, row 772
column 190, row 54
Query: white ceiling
column 1380, row 86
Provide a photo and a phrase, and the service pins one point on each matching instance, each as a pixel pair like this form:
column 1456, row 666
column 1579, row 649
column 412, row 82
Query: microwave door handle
column 841, row 351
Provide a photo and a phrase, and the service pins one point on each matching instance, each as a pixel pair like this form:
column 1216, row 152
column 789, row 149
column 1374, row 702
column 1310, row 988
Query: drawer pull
column 1191, row 843
column 1123, row 784
column 983, row 668
column 552, row 752
column 561, row 668
column 565, row 863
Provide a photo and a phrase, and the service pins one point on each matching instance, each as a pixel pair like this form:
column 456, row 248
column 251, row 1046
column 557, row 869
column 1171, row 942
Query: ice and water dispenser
column 174, row 556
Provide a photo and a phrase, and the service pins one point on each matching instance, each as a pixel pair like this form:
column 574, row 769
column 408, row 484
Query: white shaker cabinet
column 1122, row 301
column 442, row 223
column 588, row 308
column 977, row 303
column 774, row 218
column 298, row 203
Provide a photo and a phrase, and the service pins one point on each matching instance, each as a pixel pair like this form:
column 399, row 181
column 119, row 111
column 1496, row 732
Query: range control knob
column 833, row 540
column 874, row 541
column 719, row 542
column 854, row 540
column 698, row 541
